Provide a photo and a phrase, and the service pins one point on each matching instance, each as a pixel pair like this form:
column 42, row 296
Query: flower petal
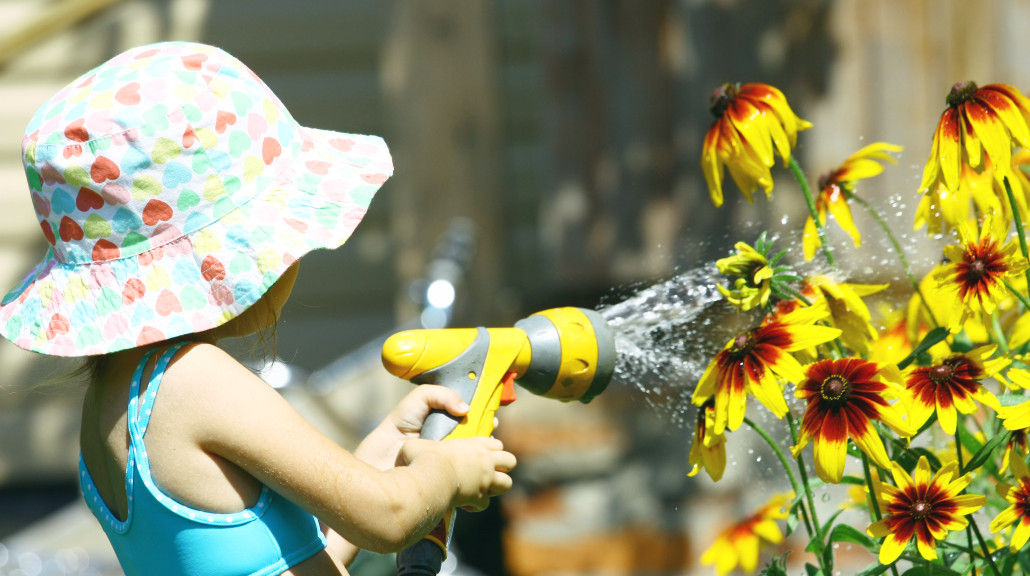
column 831, row 448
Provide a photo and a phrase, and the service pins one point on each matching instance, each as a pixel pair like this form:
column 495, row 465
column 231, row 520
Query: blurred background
column 547, row 154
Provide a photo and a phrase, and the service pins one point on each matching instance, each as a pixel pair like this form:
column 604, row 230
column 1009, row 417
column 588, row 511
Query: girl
column 177, row 194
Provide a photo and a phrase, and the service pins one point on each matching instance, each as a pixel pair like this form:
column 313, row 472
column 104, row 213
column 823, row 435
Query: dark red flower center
column 835, row 390
column 919, row 509
column 980, row 265
column 977, row 270
column 722, row 97
column 742, row 344
column 961, row 93
column 942, row 373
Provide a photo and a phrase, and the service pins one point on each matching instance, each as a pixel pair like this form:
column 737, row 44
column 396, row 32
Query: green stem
column 786, row 466
column 874, row 505
column 804, row 480
column 897, row 248
column 1019, row 224
column 1022, row 298
column 799, row 175
column 983, row 546
column 969, row 531
column 999, row 335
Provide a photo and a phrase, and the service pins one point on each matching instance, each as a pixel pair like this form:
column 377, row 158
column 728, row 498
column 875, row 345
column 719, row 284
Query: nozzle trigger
column 508, row 389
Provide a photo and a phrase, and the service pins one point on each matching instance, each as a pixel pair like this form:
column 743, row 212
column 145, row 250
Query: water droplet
column 825, row 497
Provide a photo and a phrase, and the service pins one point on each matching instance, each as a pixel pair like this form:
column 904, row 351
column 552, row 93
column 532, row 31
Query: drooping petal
column 1007, row 112
column 949, row 153
column 810, row 241
column 842, row 213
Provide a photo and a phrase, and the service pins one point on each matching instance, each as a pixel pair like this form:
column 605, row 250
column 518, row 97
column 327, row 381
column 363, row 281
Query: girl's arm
column 381, row 448
column 234, row 414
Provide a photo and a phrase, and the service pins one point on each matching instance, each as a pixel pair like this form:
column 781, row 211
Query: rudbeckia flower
column 847, row 310
column 739, row 544
column 709, row 449
column 921, row 317
column 835, row 187
column 951, row 384
column 753, row 285
column 752, row 121
column 751, row 361
column 844, row 397
column 893, row 343
column 982, row 189
column 1018, row 512
column 974, row 280
column 941, row 209
column 978, row 123
column 922, row 506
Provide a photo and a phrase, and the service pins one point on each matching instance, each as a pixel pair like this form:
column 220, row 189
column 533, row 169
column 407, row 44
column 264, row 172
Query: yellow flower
column 941, row 209
column 919, row 319
column 835, row 187
column 843, row 398
column 754, row 283
column 752, row 121
column 974, row 281
column 740, row 543
column 709, row 449
column 922, row 506
column 951, row 384
column 1018, row 512
column 751, row 361
column 847, row 310
column 978, row 123
column 893, row 343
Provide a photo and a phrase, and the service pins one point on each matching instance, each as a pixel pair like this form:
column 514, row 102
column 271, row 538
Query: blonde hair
column 265, row 346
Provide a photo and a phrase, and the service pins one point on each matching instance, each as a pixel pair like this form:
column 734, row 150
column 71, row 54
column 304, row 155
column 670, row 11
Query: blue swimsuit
column 161, row 536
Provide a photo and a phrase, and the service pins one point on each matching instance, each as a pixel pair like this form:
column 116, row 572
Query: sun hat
column 174, row 189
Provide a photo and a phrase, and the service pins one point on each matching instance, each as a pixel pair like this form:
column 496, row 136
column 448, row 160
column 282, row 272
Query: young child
column 177, row 194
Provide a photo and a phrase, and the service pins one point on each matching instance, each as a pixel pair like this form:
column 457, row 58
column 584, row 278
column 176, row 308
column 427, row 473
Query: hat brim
column 200, row 281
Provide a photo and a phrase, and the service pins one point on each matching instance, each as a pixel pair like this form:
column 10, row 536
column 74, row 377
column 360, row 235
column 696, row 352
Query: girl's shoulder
column 202, row 379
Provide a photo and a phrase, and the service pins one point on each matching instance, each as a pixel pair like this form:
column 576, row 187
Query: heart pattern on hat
column 174, row 188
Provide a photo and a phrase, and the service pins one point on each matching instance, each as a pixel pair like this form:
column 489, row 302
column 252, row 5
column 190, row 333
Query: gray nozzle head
column 605, row 355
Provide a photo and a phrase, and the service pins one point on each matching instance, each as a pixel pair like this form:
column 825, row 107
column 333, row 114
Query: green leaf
column 848, row 533
column 792, row 523
column 812, row 570
column 1012, row 399
column 828, row 523
column 984, row 454
column 930, row 569
column 815, row 546
column 969, row 442
column 875, row 570
column 1008, row 563
column 776, row 566
column 933, row 337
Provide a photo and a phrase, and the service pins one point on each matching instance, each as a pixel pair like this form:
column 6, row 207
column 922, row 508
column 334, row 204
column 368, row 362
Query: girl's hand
column 408, row 416
column 381, row 447
column 479, row 467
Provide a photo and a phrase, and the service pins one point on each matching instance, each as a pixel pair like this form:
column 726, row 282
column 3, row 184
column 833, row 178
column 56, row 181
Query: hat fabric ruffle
column 174, row 189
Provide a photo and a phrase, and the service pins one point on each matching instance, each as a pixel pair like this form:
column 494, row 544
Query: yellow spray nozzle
column 563, row 353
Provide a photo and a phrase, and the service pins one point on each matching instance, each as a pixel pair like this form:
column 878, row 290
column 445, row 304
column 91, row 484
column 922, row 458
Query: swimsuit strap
column 139, row 416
